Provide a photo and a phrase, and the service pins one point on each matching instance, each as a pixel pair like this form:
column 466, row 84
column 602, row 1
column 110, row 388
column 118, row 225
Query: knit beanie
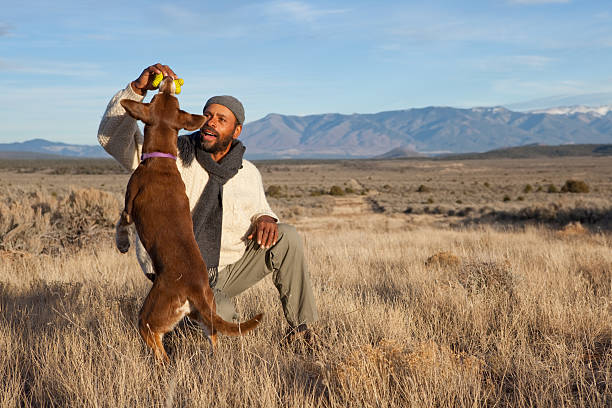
column 230, row 103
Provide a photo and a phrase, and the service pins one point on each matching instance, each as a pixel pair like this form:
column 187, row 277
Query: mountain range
column 49, row 149
column 431, row 130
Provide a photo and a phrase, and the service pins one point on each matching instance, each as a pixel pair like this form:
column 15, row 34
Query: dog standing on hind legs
column 156, row 202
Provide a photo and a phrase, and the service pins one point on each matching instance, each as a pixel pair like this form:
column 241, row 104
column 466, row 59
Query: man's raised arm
column 118, row 132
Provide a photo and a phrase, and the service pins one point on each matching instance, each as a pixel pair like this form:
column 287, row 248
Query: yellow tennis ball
column 157, row 80
column 177, row 85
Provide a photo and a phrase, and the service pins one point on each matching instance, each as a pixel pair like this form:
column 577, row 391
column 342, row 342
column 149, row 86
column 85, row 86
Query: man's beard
column 220, row 144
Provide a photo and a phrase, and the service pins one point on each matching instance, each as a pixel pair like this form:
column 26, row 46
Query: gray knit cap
column 230, row 103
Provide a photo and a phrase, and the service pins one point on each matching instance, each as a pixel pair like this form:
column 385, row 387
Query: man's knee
column 288, row 249
column 289, row 234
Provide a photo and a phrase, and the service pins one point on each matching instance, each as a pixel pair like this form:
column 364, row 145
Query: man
column 236, row 230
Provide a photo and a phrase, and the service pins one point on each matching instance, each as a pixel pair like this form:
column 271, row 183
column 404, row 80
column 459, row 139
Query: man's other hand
column 265, row 231
column 144, row 82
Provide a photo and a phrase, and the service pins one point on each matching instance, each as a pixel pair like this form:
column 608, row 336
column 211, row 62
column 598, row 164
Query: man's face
column 219, row 129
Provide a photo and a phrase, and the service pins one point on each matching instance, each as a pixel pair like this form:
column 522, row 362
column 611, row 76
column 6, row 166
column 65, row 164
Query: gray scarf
column 207, row 214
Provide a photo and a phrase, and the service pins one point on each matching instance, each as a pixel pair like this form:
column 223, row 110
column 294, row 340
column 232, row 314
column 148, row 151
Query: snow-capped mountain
column 571, row 110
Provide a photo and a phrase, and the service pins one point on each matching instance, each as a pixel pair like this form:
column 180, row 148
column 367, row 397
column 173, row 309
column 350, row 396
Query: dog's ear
column 190, row 121
column 137, row 110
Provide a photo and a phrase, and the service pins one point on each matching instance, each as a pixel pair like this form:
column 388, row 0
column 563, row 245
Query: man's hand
column 144, row 82
column 265, row 231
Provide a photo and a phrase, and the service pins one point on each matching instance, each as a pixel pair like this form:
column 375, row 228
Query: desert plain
column 439, row 283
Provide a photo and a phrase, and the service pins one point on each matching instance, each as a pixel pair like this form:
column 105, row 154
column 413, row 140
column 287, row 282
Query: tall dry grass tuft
column 392, row 373
column 597, row 272
column 492, row 276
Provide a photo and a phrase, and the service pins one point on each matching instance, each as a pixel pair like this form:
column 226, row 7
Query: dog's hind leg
column 160, row 312
column 154, row 340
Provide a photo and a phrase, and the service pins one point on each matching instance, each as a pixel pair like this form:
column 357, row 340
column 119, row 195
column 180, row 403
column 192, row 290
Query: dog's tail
column 217, row 324
column 234, row 329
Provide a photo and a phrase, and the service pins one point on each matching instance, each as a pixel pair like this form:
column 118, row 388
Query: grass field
column 506, row 304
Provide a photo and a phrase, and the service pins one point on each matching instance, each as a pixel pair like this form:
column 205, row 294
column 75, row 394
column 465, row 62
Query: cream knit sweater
column 244, row 199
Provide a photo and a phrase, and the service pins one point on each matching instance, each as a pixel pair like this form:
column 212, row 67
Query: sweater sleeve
column 118, row 132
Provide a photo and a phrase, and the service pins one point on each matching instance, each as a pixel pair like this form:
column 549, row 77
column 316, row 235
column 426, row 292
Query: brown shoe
column 300, row 337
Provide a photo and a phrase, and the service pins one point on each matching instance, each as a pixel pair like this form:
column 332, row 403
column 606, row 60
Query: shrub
column 317, row 192
column 572, row 229
column 423, row 189
column 430, row 200
column 506, row 198
column 336, row 191
column 443, row 259
column 465, row 212
column 528, row 189
column 274, row 191
column 575, row 186
column 486, row 184
column 349, row 190
column 41, row 223
column 552, row 189
column 520, row 198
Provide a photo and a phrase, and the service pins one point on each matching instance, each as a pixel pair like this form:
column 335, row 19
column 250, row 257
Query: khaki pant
column 285, row 260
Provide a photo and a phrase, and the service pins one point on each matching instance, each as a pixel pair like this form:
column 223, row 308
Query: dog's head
column 162, row 117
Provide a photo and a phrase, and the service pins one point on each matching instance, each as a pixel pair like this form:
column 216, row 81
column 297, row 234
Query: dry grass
column 392, row 331
column 411, row 315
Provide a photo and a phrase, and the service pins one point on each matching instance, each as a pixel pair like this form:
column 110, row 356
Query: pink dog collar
column 156, row 154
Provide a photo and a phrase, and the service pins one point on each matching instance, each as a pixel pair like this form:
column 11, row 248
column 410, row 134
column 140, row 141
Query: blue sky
column 62, row 61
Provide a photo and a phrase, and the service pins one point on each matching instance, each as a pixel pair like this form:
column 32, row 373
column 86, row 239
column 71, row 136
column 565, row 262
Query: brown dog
column 156, row 202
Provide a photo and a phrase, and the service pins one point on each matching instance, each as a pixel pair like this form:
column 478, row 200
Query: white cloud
column 391, row 47
column 530, row 61
column 441, row 27
column 538, row 1
column 298, row 10
column 177, row 14
column 102, row 37
column 510, row 63
column 51, row 68
column 170, row 19
column 534, row 89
